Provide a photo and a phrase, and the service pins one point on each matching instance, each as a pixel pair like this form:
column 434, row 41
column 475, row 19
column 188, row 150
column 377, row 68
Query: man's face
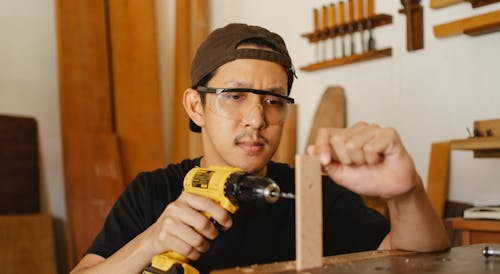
column 247, row 139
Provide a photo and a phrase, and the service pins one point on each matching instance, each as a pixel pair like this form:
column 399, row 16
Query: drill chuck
column 246, row 188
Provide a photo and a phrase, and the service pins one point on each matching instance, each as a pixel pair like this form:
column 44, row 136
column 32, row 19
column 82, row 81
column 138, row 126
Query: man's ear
column 193, row 106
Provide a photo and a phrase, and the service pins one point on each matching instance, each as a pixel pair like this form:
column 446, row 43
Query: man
column 241, row 78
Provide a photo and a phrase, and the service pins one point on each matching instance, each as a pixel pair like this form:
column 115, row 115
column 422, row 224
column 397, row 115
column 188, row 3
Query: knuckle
column 205, row 224
column 351, row 146
column 391, row 131
column 172, row 207
column 192, row 254
column 373, row 125
column 369, row 148
column 337, row 139
column 360, row 124
column 198, row 241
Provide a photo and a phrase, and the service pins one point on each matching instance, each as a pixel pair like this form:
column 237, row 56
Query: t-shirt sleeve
column 349, row 225
column 124, row 221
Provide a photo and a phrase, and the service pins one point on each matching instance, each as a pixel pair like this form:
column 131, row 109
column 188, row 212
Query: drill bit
column 488, row 251
column 285, row 195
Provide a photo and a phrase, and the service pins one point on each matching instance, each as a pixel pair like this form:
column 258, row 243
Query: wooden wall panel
column 85, row 100
column 137, row 102
column 95, row 184
column 83, row 66
column 191, row 30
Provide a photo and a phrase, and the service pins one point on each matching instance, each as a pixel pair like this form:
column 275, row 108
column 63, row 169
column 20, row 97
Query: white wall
column 427, row 95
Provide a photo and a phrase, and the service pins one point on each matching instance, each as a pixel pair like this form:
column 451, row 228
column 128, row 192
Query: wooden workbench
column 464, row 259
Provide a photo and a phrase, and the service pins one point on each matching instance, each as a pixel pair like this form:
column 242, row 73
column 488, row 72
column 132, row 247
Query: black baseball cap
column 221, row 46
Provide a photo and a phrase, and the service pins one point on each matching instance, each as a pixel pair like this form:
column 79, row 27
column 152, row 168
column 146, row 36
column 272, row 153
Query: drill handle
column 170, row 262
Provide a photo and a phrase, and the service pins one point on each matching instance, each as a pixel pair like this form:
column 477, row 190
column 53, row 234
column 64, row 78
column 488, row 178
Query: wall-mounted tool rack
column 472, row 26
column 437, row 4
column 485, row 142
column 355, row 58
column 345, row 29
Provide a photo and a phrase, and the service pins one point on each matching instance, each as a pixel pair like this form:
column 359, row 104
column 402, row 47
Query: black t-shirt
column 260, row 233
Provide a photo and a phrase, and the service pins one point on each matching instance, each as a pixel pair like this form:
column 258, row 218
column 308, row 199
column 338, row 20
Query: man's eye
column 234, row 96
column 274, row 101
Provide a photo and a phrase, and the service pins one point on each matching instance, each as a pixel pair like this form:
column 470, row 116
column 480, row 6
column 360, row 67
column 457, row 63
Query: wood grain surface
column 308, row 212
column 27, row 244
column 457, row 260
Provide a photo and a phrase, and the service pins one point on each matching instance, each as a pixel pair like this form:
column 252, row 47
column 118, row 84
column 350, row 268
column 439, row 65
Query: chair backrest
column 19, row 173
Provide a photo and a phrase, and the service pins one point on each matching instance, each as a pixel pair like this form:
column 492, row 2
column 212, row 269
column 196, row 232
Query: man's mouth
column 251, row 142
column 251, row 147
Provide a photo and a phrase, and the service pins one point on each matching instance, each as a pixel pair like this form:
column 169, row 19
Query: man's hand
column 184, row 229
column 367, row 159
column 371, row 160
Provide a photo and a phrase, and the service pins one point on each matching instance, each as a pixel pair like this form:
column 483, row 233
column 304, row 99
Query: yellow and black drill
column 227, row 186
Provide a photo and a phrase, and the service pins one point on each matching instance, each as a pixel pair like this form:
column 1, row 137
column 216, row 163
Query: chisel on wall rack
column 370, row 13
column 332, row 24
column 350, row 24
column 342, row 26
column 360, row 24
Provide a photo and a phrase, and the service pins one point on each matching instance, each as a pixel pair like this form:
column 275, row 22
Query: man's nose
column 254, row 117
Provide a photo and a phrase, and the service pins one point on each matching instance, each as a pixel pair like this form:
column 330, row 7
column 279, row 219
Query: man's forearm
column 131, row 258
column 415, row 225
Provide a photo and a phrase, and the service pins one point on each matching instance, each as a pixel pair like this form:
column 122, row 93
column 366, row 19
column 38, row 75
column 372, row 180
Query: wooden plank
column 19, row 189
column 476, row 143
column 437, row 4
column 308, row 212
column 288, row 266
column 85, row 100
column 93, row 181
column 469, row 23
column 288, row 144
column 331, row 112
column 27, row 244
column 457, row 260
column 438, row 176
column 190, row 31
column 476, row 231
column 137, row 109
column 480, row 225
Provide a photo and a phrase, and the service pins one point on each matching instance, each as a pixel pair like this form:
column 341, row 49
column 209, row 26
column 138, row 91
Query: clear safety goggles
column 235, row 103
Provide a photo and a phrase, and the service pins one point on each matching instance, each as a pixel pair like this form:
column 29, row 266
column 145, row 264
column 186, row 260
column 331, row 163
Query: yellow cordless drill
column 227, row 186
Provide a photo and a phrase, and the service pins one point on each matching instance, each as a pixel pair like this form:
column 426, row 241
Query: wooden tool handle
column 315, row 20
column 324, row 17
column 351, row 11
column 341, row 13
column 436, row 4
column 331, row 17
column 370, row 8
column 360, row 10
